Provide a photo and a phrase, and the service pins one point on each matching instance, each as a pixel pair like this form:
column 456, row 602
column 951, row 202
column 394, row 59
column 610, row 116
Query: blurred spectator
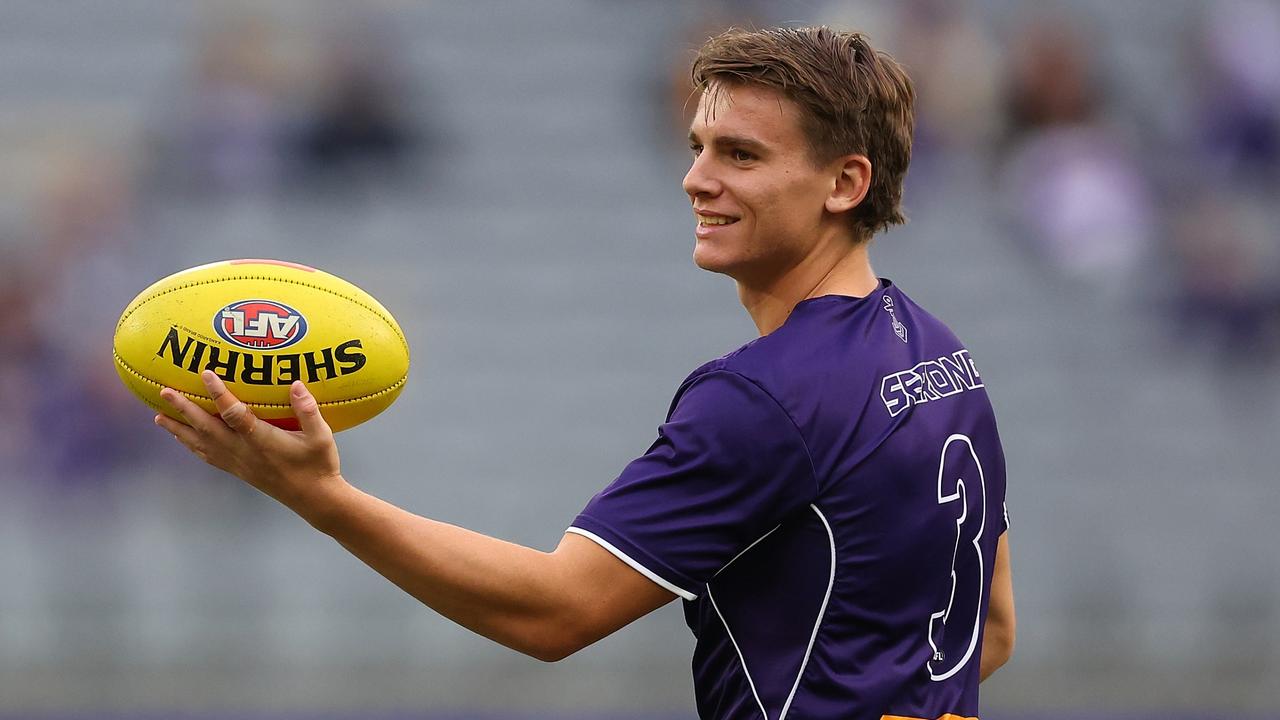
column 25, row 353
column 1223, row 245
column 1051, row 82
column 1071, row 181
column 357, row 127
column 89, row 266
column 1224, row 249
column 1239, row 90
column 228, row 131
column 955, row 65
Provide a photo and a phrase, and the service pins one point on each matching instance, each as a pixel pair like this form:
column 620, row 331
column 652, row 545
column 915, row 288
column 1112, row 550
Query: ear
column 852, row 182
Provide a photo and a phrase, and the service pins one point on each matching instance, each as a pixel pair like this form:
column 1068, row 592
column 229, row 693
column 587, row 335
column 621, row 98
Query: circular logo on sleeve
column 260, row 325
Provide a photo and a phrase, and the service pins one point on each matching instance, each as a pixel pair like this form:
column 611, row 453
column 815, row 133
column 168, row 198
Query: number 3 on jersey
column 953, row 630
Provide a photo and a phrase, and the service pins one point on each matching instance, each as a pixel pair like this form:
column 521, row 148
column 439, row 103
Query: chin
column 726, row 258
column 732, row 270
column 710, row 261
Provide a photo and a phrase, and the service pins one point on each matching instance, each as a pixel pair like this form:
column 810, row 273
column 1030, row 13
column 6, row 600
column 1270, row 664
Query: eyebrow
column 738, row 141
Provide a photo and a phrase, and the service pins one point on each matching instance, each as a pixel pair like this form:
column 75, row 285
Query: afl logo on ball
column 260, row 325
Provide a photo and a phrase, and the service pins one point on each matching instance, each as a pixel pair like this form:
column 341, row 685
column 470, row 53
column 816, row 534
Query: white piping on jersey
column 831, row 583
column 744, row 552
column 741, row 659
column 822, row 611
column 634, row 565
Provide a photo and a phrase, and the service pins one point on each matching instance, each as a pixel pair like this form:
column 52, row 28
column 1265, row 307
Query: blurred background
column 1093, row 208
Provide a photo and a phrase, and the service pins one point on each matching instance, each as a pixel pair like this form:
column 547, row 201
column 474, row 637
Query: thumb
column 308, row 411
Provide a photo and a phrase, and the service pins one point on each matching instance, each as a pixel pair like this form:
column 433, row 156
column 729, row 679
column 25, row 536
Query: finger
column 234, row 413
column 308, row 411
column 184, row 434
column 196, row 416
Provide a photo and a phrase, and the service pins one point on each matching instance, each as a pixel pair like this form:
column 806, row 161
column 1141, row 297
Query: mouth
column 707, row 220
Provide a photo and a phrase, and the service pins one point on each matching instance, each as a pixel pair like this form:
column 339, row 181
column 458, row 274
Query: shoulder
column 821, row 335
column 834, row 350
column 742, row 373
column 722, row 388
column 906, row 312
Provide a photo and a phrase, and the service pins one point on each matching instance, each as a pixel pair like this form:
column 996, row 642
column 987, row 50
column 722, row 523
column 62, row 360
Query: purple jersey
column 827, row 500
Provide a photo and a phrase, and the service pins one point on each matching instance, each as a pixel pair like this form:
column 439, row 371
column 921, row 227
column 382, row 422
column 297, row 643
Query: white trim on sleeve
column 629, row 561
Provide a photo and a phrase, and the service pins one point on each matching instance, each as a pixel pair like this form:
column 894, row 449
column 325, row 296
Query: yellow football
column 260, row 325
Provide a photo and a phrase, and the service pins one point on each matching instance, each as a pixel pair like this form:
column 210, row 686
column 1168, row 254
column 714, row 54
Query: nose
column 700, row 181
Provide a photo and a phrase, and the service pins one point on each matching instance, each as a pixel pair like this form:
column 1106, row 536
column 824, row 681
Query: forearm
column 996, row 651
column 547, row 605
column 1001, row 626
column 507, row 592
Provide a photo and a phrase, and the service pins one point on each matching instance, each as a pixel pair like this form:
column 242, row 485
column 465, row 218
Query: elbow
column 1003, row 643
column 1009, row 640
column 1005, row 654
column 555, row 651
column 551, row 654
column 553, row 644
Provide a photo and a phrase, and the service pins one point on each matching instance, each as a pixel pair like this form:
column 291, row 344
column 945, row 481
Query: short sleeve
column 729, row 465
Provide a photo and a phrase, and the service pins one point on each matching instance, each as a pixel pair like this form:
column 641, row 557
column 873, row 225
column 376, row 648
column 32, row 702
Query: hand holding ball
column 259, row 325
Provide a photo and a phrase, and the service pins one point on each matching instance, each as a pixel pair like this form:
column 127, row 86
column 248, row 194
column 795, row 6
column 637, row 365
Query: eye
column 742, row 156
column 695, row 148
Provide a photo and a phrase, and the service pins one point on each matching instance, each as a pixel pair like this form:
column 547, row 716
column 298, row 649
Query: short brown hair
column 853, row 100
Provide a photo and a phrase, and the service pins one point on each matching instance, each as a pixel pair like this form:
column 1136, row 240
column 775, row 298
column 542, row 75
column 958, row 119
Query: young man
column 828, row 500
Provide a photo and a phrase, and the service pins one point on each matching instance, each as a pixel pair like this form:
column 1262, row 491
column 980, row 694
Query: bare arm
column 999, row 632
column 547, row 605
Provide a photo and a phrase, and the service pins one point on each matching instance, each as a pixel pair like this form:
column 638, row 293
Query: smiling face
column 759, row 199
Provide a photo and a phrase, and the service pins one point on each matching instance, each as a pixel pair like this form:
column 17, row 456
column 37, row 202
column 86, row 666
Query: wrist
column 326, row 504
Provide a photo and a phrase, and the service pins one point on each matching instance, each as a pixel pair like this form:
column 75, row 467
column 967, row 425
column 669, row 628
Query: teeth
column 708, row 220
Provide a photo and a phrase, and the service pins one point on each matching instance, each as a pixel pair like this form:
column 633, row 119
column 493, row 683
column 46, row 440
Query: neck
column 839, row 268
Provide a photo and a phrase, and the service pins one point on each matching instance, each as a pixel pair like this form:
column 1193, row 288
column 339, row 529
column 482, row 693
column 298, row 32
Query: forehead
column 751, row 111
